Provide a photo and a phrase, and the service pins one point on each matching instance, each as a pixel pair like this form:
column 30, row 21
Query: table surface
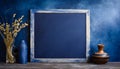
column 110, row 65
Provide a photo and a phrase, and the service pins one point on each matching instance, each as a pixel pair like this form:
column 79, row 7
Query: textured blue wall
column 105, row 20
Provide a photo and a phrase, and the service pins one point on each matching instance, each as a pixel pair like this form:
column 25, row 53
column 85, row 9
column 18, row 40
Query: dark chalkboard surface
column 59, row 35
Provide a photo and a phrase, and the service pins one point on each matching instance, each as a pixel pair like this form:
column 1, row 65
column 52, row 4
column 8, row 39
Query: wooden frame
column 32, row 35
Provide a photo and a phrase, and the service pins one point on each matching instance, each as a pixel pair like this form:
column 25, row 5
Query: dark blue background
column 60, row 35
column 105, row 20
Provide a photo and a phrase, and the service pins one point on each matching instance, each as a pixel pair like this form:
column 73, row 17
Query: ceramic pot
column 100, row 57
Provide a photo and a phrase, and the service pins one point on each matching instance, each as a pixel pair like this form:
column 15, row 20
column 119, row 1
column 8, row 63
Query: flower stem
column 1, row 34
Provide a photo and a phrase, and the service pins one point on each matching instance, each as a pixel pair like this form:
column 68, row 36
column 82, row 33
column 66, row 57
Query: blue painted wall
column 105, row 20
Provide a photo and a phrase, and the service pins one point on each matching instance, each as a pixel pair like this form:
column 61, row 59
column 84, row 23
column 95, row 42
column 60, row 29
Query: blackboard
column 60, row 35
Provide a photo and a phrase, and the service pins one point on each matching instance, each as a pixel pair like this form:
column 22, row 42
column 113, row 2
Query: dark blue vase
column 23, row 53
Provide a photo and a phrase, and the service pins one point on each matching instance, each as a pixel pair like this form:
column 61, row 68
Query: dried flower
column 9, row 32
column 14, row 15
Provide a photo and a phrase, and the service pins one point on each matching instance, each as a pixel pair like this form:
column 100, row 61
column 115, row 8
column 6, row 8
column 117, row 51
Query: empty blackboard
column 59, row 35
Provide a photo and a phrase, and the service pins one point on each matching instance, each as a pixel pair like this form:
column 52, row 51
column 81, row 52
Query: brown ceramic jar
column 100, row 57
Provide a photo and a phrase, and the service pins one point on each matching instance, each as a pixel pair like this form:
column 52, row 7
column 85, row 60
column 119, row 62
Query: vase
column 23, row 52
column 9, row 53
column 100, row 57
